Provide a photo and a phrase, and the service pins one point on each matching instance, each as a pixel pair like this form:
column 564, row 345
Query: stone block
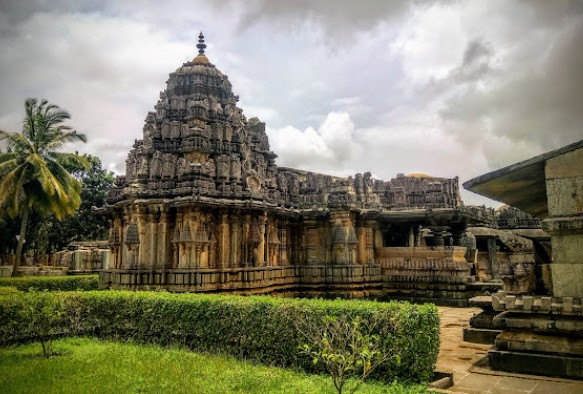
column 483, row 320
column 568, row 164
column 536, row 363
column 496, row 304
column 567, row 247
column 510, row 302
column 568, row 279
column 542, row 323
column 480, row 335
column 532, row 342
column 565, row 195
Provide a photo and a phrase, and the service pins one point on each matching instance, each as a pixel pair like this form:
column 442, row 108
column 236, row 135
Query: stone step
column 536, row 363
column 532, row 342
column 480, row 335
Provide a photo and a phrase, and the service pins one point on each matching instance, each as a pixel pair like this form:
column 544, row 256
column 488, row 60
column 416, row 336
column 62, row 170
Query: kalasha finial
column 201, row 45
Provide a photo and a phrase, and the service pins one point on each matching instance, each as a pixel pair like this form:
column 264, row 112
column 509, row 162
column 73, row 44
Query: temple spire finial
column 201, row 45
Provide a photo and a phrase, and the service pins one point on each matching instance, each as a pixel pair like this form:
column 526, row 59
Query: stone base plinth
column 480, row 335
column 539, row 343
column 536, row 363
column 306, row 280
column 540, row 335
column 482, row 329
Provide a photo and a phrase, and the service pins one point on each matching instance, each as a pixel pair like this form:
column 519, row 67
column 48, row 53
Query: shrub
column 53, row 283
column 261, row 329
column 40, row 316
column 344, row 348
column 8, row 291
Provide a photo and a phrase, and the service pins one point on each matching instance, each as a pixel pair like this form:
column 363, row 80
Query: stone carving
column 253, row 183
column 166, row 134
column 168, row 166
column 235, row 168
column 180, row 167
column 175, row 131
column 156, row 165
column 143, row 167
column 282, row 182
column 210, row 168
column 223, row 166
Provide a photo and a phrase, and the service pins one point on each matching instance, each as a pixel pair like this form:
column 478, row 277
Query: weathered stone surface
column 536, row 363
column 483, row 319
column 480, row 335
column 558, row 305
column 541, row 323
column 533, row 342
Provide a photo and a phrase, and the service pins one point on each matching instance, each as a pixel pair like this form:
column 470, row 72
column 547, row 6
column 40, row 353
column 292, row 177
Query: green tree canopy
column 33, row 171
column 85, row 224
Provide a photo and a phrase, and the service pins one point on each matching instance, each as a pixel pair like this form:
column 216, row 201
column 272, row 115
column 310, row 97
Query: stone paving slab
column 471, row 374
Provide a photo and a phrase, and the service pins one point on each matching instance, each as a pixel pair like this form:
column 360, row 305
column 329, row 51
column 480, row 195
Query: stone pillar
column 235, row 258
column 458, row 234
column 417, row 234
column 311, row 241
column 438, row 232
column 223, row 242
column 361, row 246
column 493, row 259
column 283, row 258
column 144, row 248
column 564, row 181
column 163, row 252
column 341, row 224
column 378, row 238
column 411, row 242
column 262, row 242
column 369, row 241
column 152, row 227
column 246, row 244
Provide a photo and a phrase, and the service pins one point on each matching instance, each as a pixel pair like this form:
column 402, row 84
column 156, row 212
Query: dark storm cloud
column 535, row 101
column 338, row 19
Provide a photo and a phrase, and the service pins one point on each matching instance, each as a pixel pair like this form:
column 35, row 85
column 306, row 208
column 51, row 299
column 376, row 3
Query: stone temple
column 204, row 207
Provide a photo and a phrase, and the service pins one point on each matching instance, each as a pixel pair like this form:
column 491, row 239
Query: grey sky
column 440, row 87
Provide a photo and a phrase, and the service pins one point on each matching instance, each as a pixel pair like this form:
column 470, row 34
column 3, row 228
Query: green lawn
column 93, row 366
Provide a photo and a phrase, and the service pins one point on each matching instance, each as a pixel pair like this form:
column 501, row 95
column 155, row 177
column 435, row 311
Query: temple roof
column 520, row 185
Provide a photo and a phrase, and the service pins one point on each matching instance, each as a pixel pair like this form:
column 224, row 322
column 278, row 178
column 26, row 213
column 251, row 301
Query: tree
column 345, row 347
column 43, row 313
column 33, row 173
column 84, row 225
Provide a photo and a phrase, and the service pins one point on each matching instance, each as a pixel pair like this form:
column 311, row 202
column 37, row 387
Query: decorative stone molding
column 566, row 306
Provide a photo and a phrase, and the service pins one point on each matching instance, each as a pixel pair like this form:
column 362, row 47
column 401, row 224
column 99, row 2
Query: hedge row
column 262, row 329
column 53, row 283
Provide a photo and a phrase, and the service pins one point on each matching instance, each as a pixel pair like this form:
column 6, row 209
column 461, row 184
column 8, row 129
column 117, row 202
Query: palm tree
column 32, row 171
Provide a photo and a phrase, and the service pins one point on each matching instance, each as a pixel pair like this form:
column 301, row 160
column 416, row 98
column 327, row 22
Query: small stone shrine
column 540, row 308
column 204, row 207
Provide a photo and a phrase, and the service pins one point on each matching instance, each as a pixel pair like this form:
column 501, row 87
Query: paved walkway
column 471, row 374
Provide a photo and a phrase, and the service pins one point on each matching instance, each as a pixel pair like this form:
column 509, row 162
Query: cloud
column 78, row 62
column 534, row 103
column 330, row 146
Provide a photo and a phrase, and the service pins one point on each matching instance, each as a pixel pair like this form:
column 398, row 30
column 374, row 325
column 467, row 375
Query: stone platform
column 471, row 374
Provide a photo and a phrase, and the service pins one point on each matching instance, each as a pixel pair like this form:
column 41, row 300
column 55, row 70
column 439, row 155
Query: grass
column 93, row 366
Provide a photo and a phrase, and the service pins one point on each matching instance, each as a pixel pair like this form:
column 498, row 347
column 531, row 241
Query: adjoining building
column 540, row 309
column 204, row 207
